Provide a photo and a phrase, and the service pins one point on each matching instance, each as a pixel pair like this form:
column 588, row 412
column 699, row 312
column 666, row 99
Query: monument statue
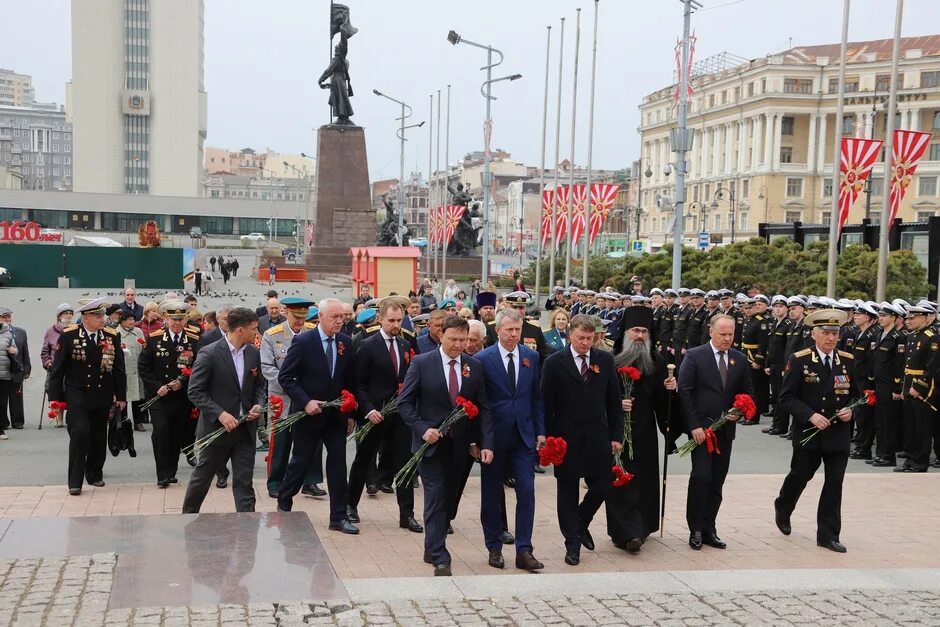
column 337, row 73
column 388, row 232
column 466, row 234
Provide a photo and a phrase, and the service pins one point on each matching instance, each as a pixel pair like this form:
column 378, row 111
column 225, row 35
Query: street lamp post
column 486, row 90
column 731, row 201
column 762, row 194
column 307, row 179
column 648, row 173
column 700, row 206
column 401, row 180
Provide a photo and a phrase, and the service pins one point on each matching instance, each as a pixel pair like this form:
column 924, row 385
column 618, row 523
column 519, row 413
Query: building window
column 794, row 187
column 825, row 217
column 927, row 186
column 786, row 125
column 68, row 171
column 827, row 187
column 750, row 89
column 936, row 119
column 786, row 154
column 742, row 220
column 851, row 85
column 68, row 148
column 717, row 222
column 724, row 97
column 737, row 94
column 708, row 190
column 797, row 85
column 695, row 193
column 793, row 216
column 877, row 186
column 848, row 124
column 930, row 79
column 924, row 216
column 745, row 188
column 763, row 85
column 214, row 193
column 883, row 82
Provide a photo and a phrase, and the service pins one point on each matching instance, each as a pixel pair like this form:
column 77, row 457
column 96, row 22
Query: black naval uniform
column 706, row 324
column 657, row 330
column 888, row 370
column 921, row 373
column 697, row 333
column 866, row 343
column 666, row 327
column 680, row 331
column 739, row 319
column 90, row 388
column 754, row 340
column 532, row 337
column 775, row 362
column 810, row 388
column 160, row 363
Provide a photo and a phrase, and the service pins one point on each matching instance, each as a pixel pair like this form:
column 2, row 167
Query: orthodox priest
column 633, row 509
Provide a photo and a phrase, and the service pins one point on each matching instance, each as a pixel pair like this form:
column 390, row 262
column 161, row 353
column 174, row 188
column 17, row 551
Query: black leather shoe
column 427, row 557
column 633, row 545
column 539, row 470
column 313, row 490
column 17, row 426
column 450, row 529
column 751, row 422
column 221, row 482
column 509, row 482
column 272, row 494
column 527, row 561
column 496, row 559
column 771, row 431
column 442, row 570
column 883, row 463
column 712, row 540
column 935, row 463
column 75, row 491
column 572, row 558
column 787, row 436
column 387, row 489
column 163, row 484
column 901, row 455
column 352, row 514
column 174, row 480
column 372, row 490
column 506, row 538
column 783, row 521
column 859, row 455
column 586, row 540
column 695, row 540
column 345, row 526
column 98, row 484
column 832, row 545
column 410, row 524
column 872, row 461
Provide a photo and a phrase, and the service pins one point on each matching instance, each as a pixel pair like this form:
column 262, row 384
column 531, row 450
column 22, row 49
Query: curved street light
column 731, row 200
column 400, row 133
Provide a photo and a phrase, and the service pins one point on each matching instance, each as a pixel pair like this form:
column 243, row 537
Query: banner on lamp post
column 909, row 148
column 858, row 157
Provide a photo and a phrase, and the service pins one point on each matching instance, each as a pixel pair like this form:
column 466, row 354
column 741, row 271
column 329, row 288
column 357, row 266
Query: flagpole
column 834, row 218
column 538, row 257
column 445, row 241
column 574, row 120
column 889, row 155
column 430, row 247
column 437, row 166
column 446, row 150
column 587, row 186
column 561, row 65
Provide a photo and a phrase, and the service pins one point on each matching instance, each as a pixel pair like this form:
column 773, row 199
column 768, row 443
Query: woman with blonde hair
column 556, row 338
column 150, row 321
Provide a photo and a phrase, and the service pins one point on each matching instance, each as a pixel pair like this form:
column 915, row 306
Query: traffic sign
column 703, row 241
column 636, row 246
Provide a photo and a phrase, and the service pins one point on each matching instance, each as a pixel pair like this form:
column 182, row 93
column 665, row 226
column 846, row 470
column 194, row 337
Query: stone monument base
column 344, row 214
column 456, row 266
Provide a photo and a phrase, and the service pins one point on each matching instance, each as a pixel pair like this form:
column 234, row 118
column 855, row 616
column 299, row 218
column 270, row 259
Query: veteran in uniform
column 532, row 335
column 88, row 374
column 819, row 385
column 164, row 366
column 274, row 345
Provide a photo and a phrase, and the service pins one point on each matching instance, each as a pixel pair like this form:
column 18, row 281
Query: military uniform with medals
column 922, row 375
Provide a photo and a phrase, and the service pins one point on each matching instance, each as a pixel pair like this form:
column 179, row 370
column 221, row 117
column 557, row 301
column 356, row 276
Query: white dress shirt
column 238, row 356
column 727, row 356
column 445, row 360
column 515, row 358
column 822, row 358
column 323, row 338
column 577, row 357
column 386, row 338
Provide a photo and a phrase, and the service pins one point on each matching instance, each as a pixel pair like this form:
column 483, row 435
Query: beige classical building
column 247, row 162
column 765, row 131
column 16, row 90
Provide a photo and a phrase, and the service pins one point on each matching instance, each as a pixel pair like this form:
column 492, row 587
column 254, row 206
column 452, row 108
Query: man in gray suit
column 17, row 417
column 228, row 389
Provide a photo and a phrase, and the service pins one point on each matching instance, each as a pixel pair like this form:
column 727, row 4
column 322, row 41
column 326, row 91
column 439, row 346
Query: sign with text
column 19, row 231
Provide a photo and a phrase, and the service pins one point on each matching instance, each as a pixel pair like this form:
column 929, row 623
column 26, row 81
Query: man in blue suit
column 432, row 385
column 430, row 341
column 710, row 377
column 318, row 366
column 512, row 385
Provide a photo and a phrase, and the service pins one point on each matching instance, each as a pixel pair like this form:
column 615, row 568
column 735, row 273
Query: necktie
column 512, row 374
column 94, row 339
column 329, row 355
column 564, row 339
column 722, row 368
column 584, row 368
column 453, row 385
column 393, row 354
column 827, row 366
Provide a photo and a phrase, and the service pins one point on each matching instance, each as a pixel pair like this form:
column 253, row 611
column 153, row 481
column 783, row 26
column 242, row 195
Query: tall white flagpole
column 836, row 162
column 561, row 64
column 538, row 232
column 587, row 215
column 574, row 125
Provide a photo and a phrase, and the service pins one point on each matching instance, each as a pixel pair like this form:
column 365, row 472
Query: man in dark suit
column 381, row 364
column 432, row 385
column 582, row 405
column 209, row 337
column 512, row 385
column 431, row 341
column 319, row 365
column 227, row 387
column 710, row 377
column 17, row 416
column 820, row 383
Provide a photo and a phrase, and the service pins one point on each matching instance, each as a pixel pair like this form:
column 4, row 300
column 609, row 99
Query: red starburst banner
column 432, row 226
column 578, row 200
column 452, row 215
column 548, row 197
column 603, row 196
column 561, row 215
column 858, row 157
column 909, row 147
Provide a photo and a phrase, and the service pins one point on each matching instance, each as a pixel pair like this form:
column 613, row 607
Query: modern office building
column 765, row 131
column 16, row 90
column 36, row 146
column 137, row 101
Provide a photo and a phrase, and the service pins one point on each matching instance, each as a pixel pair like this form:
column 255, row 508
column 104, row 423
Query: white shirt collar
column 503, row 352
column 716, row 350
column 386, row 336
column 231, row 347
column 446, row 359
column 574, row 354
column 822, row 356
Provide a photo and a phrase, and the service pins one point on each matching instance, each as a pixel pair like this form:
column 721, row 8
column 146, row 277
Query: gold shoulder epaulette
column 846, row 355
column 71, row 327
column 373, row 328
column 156, row 333
column 928, row 332
column 191, row 335
column 277, row 328
column 408, row 332
column 804, row 352
column 194, row 328
column 109, row 330
column 310, row 325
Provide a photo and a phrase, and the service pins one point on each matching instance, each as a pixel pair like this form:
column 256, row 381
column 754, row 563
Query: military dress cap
column 682, row 291
column 814, row 303
column 922, row 307
column 827, row 319
column 779, row 298
column 762, row 298
column 725, row 293
column 891, row 309
column 711, row 295
column 488, row 299
column 95, row 306
column 366, row 315
column 829, row 303
column 671, row 292
column 600, row 324
column 926, row 303
column 696, row 292
column 421, row 320
column 845, row 304
column 5, row 311
column 900, row 302
column 373, row 303
column 589, row 293
column 558, row 288
column 613, row 296
column 865, row 308
column 655, row 291
column 602, row 296
column 402, row 301
column 110, row 309
column 296, row 303
column 519, row 298
column 313, row 314
column 174, row 309
column 62, row 309
column 796, row 301
column 447, row 303
column 741, row 297
column 637, row 299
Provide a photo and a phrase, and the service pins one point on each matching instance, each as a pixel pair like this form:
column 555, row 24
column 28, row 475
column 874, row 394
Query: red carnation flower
column 621, row 476
column 186, row 372
column 275, row 405
column 469, row 408
column 553, row 453
column 348, row 403
column 141, row 341
column 629, row 371
column 194, row 414
column 53, row 414
column 745, row 404
column 870, row 398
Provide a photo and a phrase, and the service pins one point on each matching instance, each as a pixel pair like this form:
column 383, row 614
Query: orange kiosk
column 385, row 269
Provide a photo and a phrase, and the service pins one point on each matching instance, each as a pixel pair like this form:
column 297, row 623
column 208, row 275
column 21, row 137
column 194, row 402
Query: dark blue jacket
column 510, row 411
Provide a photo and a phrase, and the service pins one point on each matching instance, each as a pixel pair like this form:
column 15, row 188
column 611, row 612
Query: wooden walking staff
column 662, row 510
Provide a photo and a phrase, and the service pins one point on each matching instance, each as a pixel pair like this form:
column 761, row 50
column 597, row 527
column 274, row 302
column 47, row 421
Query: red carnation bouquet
column 56, row 408
column 390, row 407
column 867, row 398
column 346, row 403
column 621, row 476
column 273, row 408
column 194, row 414
column 628, row 376
column 743, row 407
column 141, row 341
column 464, row 409
column 553, row 453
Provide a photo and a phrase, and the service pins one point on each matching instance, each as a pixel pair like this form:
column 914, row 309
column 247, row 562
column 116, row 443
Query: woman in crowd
column 63, row 318
column 132, row 342
column 451, row 290
column 194, row 317
column 7, row 384
column 463, row 301
column 556, row 338
column 151, row 320
column 465, row 313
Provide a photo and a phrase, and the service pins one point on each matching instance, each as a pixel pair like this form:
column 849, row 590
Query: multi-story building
column 764, row 135
column 36, row 145
column 416, row 202
column 16, row 90
column 136, row 100
column 247, row 162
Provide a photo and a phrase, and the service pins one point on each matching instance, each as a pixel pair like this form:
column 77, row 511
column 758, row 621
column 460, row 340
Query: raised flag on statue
column 909, row 148
column 858, row 157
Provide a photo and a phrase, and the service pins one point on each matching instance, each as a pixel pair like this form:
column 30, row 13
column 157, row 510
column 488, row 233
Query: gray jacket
column 6, row 340
column 22, row 353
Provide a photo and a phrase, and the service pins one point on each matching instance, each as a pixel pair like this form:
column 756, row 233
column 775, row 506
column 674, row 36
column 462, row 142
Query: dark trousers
column 520, row 459
column 761, row 382
column 781, row 416
column 198, row 286
column 776, row 380
column 434, row 473
column 88, row 444
column 239, row 446
column 888, row 416
column 573, row 517
column 865, row 428
column 803, row 466
column 384, row 471
column 166, row 437
column 7, row 388
column 308, row 432
column 17, row 415
column 389, row 430
column 705, row 485
column 457, row 474
column 279, row 450
column 918, row 432
column 140, row 417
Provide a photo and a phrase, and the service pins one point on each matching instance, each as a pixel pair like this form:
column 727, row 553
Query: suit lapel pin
column 525, row 362
column 254, row 372
column 466, row 370
column 595, row 369
column 340, row 348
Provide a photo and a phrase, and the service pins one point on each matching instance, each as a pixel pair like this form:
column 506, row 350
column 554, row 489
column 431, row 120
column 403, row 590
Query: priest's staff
column 662, row 511
column 42, row 409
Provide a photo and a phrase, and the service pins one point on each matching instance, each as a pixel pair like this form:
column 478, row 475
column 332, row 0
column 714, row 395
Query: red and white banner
column 548, row 197
column 578, row 200
column 561, row 215
column 603, row 196
column 858, row 157
column 909, row 147
column 439, row 228
column 432, row 226
column 452, row 215
column 692, row 40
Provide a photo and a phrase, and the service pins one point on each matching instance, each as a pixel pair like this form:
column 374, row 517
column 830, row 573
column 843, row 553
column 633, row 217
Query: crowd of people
column 409, row 360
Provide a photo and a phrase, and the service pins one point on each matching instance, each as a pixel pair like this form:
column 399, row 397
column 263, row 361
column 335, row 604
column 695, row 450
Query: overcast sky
column 263, row 59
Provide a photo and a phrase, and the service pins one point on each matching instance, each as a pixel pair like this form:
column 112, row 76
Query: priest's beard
column 637, row 354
